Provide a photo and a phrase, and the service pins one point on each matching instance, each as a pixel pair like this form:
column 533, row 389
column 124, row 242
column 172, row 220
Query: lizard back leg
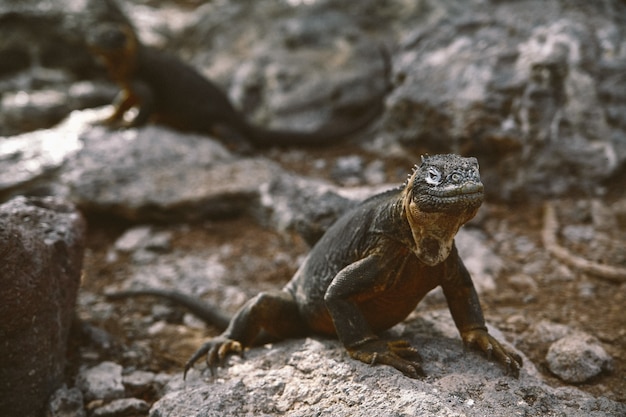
column 274, row 313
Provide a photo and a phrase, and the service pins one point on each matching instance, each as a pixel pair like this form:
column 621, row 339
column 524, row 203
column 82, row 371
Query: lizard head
column 441, row 194
column 116, row 45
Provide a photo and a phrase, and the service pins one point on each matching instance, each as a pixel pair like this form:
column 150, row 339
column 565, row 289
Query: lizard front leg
column 124, row 101
column 359, row 281
column 468, row 316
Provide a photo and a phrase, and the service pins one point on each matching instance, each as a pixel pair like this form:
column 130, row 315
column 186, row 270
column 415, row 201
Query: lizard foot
column 481, row 340
column 397, row 353
column 216, row 350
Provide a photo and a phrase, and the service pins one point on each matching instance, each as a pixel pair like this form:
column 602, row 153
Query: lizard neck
column 433, row 233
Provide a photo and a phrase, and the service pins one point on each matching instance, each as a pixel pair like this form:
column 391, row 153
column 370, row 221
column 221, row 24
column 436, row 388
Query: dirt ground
column 554, row 291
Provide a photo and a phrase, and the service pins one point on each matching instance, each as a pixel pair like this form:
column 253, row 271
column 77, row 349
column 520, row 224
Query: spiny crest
column 413, row 170
column 410, row 175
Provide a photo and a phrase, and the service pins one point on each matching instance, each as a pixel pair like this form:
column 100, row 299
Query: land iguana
column 368, row 272
column 169, row 91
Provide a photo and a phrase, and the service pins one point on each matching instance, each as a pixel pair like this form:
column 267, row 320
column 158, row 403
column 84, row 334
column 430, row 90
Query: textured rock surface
column 310, row 207
column 31, row 160
column 522, row 85
column 66, row 402
column 122, row 407
column 41, row 247
column 157, row 174
column 316, row 377
column 103, row 381
column 533, row 90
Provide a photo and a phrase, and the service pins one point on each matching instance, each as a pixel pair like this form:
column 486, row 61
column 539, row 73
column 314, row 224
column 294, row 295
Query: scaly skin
column 169, row 91
column 371, row 269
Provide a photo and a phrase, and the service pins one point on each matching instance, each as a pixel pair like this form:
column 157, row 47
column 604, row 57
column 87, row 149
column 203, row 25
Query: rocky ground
column 535, row 90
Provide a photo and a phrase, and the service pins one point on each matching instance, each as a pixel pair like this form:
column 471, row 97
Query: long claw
column 483, row 341
column 216, row 351
column 396, row 353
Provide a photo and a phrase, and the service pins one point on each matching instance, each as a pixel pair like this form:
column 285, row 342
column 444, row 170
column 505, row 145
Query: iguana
column 166, row 89
column 368, row 272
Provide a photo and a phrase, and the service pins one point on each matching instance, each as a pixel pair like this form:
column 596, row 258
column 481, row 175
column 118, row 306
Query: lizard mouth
column 452, row 192
column 465, row 196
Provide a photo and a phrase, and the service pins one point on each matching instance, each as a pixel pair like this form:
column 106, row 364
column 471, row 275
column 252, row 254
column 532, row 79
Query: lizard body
column 172, row 92
column 370, row 270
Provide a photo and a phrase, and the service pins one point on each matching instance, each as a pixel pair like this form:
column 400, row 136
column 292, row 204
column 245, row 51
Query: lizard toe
column 216, row 351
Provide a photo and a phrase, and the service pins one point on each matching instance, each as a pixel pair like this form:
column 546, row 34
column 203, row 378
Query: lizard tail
column 206, row 312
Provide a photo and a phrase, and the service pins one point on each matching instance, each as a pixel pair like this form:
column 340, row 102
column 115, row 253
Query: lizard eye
column 433, row 176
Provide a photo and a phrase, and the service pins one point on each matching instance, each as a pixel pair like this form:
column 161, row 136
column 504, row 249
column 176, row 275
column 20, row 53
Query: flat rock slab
column 31, row 157
column 308, row 377
column 155, row 174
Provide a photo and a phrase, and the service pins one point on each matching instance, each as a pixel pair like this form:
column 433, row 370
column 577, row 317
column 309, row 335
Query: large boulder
column 41, row 247
column 534, row 89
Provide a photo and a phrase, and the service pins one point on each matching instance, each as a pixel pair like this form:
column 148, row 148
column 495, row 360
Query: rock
column 41, row 247
column 374, row 173
column 156, row 174
column 188, row 272
column 31, row 160
column 42, row 55
column 348, row 170
column 545, row 331
column 39, row 109
column 316, row 377
column 481, row 262
column 138, row 383
column 66, row 402
column 308, row 206
column 122, row 408
column 515, row 84
column 283, row 85
column 577, row 358
column 44, row 108
column 522, row 283
column 143, row 238
column 101, row 382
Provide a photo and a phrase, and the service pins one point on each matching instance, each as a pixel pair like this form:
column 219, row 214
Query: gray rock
column 31, row 159
column 154, row 173
column 515, row 84
column 138, row 383
column 374, row 173
column 122, row 407
column 316, row 377
column 295, row 203
column 545, row 331
column 66, row 402
column 101, row 382
column 348, row 170
column 132, row 239
column 481, row 262
column 577, row 358
column 143, row 238
column 42, row 53
column 41, row 247
column 529, row 87
column 188, row 272
column 90, row 94
column 38, row 109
